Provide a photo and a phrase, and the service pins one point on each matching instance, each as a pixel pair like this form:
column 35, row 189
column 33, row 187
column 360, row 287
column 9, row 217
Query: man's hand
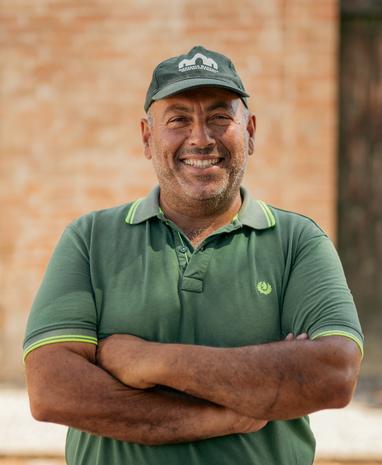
column 243, row 425
column 279, row 380
column 135, row 361
column 128, row 358
column 300, row 337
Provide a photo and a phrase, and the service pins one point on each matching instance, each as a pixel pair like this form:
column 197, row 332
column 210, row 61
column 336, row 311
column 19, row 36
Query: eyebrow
column 217, row 105
column 213, row 106
column 177, row 107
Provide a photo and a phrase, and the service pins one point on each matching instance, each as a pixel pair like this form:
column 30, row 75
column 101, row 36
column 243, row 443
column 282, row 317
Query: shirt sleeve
column 317, row 299
column 64, row 309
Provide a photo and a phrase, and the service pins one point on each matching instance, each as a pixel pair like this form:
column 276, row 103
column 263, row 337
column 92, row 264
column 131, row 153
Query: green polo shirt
column 130, row 270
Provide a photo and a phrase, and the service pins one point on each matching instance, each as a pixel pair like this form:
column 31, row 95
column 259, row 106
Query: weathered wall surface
column 360, row 168
column 73, row 80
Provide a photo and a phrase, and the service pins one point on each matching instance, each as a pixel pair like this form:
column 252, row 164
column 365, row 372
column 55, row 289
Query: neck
column 200, row 218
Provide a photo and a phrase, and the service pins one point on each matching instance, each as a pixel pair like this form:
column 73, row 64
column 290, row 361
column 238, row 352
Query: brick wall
column 74, row 76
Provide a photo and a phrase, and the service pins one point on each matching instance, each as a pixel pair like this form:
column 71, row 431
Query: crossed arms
column 122, row 390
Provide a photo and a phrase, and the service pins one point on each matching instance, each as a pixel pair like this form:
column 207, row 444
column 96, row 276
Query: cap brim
column 180, row 86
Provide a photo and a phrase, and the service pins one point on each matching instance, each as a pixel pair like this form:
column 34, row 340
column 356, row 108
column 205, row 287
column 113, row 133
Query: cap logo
column 208, row 64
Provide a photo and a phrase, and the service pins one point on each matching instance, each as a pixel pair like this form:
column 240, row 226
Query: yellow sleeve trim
column 55, row 339
column 341, row 333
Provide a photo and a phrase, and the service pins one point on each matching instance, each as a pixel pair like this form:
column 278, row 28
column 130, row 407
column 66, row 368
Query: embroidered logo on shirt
column 264, row 288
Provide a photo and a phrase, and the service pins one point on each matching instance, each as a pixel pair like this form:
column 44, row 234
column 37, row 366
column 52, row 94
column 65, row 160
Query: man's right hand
column 242, row 424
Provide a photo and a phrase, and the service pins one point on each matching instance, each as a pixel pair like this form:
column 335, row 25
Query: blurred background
column 73, row 80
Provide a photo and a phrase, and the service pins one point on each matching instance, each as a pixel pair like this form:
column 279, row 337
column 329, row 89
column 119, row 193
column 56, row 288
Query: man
column 221, row 322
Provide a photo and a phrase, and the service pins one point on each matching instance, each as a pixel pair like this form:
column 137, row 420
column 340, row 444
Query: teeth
column 201, row 163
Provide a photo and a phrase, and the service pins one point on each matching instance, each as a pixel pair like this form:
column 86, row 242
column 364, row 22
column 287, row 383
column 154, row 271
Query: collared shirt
column 131, row 270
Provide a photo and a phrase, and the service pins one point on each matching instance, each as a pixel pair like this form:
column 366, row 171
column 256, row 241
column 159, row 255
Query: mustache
column 222, row 151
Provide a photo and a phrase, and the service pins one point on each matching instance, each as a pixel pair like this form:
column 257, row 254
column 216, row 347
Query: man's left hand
column 128, row 358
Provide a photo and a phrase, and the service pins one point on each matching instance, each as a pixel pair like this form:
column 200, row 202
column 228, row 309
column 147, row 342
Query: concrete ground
column 61, row 461
column 351, row 435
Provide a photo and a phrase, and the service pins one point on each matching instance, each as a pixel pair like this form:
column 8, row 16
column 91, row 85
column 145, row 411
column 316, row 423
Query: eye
column 178, row 121
column 220, row 119
column 178, row 118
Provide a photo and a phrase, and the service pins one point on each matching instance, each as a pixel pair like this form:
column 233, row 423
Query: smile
column 201, row 163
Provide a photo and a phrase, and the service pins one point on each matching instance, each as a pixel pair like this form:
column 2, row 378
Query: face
column 199, row 142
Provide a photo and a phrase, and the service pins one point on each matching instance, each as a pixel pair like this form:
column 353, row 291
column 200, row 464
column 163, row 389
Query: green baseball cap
column 197, row 68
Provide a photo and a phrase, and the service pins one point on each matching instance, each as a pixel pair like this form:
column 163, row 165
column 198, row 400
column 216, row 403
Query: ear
column 251, row 128
column 146, row 135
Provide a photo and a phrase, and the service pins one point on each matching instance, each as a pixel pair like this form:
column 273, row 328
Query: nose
column 201, row 136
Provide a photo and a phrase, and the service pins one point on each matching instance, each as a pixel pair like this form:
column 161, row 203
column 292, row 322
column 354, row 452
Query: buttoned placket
column 193, row 263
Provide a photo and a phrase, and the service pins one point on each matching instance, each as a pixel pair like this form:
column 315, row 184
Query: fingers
column 299, row 337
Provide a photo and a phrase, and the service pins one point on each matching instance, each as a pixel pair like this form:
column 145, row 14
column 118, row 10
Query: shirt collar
column 253, row 213
column 143, row 209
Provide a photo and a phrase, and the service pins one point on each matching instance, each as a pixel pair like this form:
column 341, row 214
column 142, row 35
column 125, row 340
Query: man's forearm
column 280, row 380
column 65, row 388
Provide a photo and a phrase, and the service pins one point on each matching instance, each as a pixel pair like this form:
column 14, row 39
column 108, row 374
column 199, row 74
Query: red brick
column 74, row 77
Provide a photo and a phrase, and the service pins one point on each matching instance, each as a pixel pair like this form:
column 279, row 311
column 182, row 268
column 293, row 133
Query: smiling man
column 199, row 142
column 197, row 325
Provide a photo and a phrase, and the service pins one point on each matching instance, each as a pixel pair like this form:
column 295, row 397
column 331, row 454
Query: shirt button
column 183, row 249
